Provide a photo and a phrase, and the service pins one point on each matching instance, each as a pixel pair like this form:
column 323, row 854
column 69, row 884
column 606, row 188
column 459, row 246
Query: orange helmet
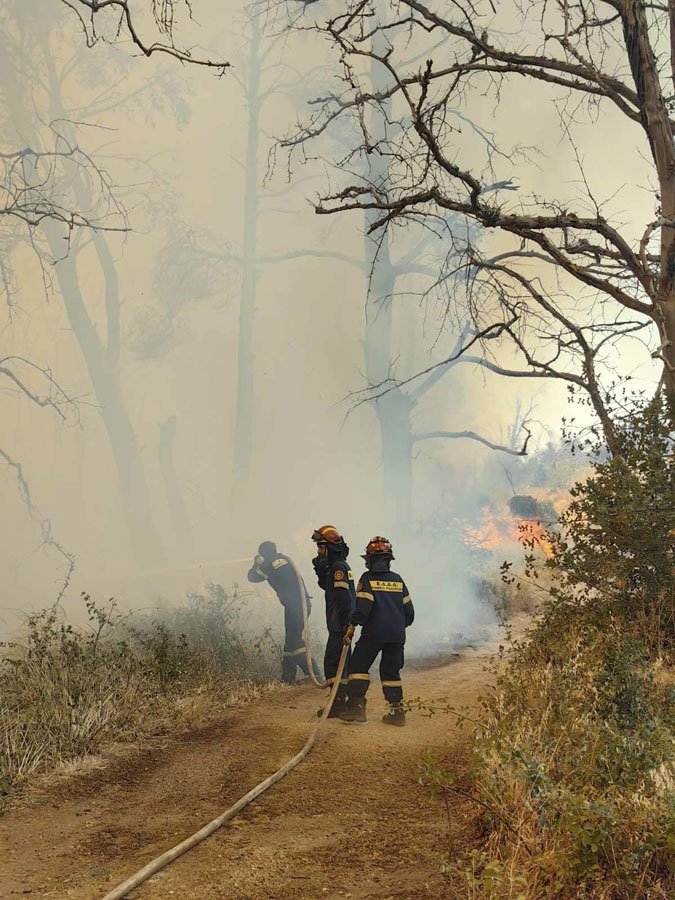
column 328, row 534
column 379, row 545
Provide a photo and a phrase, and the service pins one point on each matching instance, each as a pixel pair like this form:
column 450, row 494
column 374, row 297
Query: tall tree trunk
column 244, row 400
column 105, row 381
column 102, row 360
column 394, row 409
column 655, row 119
column 174, row 494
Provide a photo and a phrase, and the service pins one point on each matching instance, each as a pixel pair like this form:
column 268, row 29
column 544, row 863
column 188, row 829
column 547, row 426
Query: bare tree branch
column 55, row 397
column 164, row 12
column 609, row 283
column 471, row 435
column 45, row 524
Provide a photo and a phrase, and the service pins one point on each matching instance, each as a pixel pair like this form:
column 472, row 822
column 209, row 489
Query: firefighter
column 383, row 610
column 286, row 581
column 335, row 578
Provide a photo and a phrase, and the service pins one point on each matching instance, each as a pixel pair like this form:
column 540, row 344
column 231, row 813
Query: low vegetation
column 573, row 758
column 66, row 691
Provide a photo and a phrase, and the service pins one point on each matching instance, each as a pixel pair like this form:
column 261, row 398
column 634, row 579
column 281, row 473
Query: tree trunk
column 244, row 399
column 654, row 114
column 102, row 360
column 394, row 409
column 174, row 494
column 105, row 381
column 667, row 334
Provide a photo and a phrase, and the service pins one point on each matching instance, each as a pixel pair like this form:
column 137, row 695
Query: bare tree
column 45, row 524
column 397, row 267
column 119, row 21
column 396, row 407
column 265, row 75
column 33, row 200
column 58, row 194
column 28, row 46
column 575, row 280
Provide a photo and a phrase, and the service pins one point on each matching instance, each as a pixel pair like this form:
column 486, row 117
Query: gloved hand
column 320, row 564
column 348, row 635
column 258, row 561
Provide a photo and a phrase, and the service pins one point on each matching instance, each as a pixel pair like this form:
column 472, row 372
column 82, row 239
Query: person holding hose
column 335, row 579
column 289, row 586
column 383, row 610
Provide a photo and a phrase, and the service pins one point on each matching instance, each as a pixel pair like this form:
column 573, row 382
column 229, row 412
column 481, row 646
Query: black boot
column 395, row 716
column 338, row 707
column 355, row 710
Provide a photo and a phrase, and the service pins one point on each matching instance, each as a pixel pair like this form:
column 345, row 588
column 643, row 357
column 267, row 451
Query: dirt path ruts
column 351, row 821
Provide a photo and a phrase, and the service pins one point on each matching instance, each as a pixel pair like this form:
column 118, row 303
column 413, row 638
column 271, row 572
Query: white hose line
column 305, row 619
column 160, row 862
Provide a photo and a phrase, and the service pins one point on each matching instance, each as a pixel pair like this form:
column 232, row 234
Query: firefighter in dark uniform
column 286, row 581
column 383, row 610
column 335, row 578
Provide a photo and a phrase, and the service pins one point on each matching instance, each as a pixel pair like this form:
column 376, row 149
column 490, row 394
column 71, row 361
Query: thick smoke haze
column 173, row 141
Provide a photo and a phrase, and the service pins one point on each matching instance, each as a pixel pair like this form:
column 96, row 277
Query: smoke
column 174, row 144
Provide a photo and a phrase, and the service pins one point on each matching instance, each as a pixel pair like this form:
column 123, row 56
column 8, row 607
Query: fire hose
column 160, row 862
column 305, row 620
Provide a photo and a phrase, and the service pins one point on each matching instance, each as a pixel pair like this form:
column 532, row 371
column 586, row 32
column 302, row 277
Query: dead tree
column 116, row 20
column 574, row 281
column 392, row 263
column 265, row 74
column 58, row 193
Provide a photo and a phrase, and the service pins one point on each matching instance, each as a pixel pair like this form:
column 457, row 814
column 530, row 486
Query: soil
column 353, row 820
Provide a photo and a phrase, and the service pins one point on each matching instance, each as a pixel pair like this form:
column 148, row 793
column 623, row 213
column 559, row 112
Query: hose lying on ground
column 156, row 865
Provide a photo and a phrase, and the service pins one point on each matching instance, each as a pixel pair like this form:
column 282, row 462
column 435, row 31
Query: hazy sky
column 176, row 149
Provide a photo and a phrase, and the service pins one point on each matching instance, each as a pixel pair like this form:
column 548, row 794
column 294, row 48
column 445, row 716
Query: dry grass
column 65, row 693
column 574, row 774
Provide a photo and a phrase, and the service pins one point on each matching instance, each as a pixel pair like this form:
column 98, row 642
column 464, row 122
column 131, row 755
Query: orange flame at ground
column 497, row 532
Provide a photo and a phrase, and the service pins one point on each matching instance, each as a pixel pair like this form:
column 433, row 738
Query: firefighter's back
column 387, row 620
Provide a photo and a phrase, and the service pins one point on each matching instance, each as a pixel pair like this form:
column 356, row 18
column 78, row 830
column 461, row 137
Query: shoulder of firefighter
column 383, row 606
column 341, row 575
column 286, row 581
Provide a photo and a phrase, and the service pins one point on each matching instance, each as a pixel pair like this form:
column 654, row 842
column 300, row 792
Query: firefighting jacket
column 283, row 580
column 338, row 583
column 383, row 607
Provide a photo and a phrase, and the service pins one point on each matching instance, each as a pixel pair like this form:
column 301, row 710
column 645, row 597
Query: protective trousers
column 331, row 660
column 391, row 663
column 295, row 652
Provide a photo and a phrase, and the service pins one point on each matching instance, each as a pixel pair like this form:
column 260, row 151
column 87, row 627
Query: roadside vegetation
column 66, row 692
column 572, row 766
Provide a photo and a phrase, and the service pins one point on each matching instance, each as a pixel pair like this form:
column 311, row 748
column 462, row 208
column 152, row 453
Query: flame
column 500, row 531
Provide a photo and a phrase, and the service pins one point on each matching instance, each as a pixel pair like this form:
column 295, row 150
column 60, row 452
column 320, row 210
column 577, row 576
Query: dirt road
column 351, row 821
